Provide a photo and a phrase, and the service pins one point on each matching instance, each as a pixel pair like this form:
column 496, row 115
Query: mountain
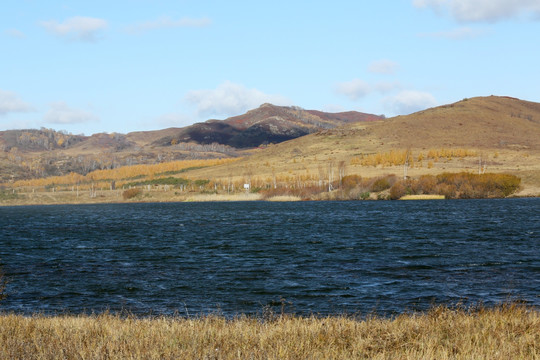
column 266, row 124
column 503, row 133
column 492, row 122
column 45, row 152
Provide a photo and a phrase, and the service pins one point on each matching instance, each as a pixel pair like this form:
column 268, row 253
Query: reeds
column 504, row 332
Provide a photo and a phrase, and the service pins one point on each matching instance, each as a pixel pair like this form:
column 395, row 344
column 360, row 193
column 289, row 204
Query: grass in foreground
column 505, row 332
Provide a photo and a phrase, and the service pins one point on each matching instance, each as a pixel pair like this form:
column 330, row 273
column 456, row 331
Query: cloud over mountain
column 384, row 66
column 78, row 28
column 460, row 33
column 358, row 88
column 230, row 99
column 410, row 101
column 15, row 33
column 10, row 103
column 61, row 113
column 483, row 10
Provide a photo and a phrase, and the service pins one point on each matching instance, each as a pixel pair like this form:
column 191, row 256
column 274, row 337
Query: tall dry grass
column 505, row 332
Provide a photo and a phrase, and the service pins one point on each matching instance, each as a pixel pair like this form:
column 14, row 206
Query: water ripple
column 308, row 257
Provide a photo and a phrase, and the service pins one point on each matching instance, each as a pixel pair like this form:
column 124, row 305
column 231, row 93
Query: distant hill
column 480, row 122
column 503, row 132
column 45, row 152
column 266, row 124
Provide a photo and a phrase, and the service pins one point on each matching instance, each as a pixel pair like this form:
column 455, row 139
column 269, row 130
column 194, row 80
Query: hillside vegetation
column 31, row 153
column 477, row 135
column 496, row 138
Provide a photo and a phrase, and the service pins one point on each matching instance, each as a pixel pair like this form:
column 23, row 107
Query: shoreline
column 156, row 197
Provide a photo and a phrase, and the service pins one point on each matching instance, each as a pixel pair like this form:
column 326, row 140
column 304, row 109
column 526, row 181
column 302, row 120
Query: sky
column 96, row 66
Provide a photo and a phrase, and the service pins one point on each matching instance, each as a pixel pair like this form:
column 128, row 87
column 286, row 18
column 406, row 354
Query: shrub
column 365, row 195
column 425, row 185
column 201, row 183
column 380, row 185
column 467, row 185
column 398, row 190
column 351, row 181
column 131, row 193
column 449, row 191
column 161, row 181
column 5, row 195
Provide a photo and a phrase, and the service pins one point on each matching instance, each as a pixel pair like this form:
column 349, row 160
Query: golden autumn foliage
column 400, row 157
column 101, row 177
column 391, row 158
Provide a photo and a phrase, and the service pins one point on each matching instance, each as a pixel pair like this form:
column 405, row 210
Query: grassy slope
column 505, row 132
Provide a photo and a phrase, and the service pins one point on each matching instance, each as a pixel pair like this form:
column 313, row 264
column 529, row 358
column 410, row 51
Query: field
column 504, row 332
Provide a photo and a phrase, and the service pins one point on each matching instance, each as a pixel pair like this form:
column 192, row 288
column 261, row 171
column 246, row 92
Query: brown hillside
column 28, row 154
column 482, row 122
column 502, row 134
column 347, row 116
column 265, row 124
column 146, row 137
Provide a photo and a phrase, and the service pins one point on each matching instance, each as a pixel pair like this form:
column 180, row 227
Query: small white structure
column 246, row 187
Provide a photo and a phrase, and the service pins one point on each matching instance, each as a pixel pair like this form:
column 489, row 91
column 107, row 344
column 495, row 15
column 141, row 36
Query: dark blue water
column 312, row 257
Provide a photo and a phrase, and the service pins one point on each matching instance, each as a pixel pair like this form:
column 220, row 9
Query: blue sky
column 121, row 66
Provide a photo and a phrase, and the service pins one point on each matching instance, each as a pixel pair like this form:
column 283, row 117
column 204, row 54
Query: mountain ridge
column 45, row 152
column 266, row 124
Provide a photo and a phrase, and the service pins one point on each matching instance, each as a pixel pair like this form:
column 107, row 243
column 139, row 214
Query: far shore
column 156, row 196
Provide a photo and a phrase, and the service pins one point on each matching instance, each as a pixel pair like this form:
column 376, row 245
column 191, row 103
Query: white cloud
column 483, row 10
column 167, row 22
column 357, row 88
column 383, row 67
column 384, row 87
column 231, row 99
column 409, row 101
column 354, row 89
column 456, row 34
column 78, row 28
column 18, row 124
column 60, row 113
column 10, row 102
column 14, row 33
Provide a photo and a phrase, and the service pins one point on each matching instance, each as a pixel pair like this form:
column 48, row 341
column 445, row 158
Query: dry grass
column 506, row 332
column 223, row 197
column 422, row 197
column 284, row 198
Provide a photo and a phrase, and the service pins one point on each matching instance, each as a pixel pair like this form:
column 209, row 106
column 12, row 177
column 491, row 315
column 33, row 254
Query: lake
column 250, row 257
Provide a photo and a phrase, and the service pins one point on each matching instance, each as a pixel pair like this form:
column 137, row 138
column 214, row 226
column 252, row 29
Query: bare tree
column 322, row 176
column 481, row 165
column 330, row 175
column 406, row 163
column 341, row 171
